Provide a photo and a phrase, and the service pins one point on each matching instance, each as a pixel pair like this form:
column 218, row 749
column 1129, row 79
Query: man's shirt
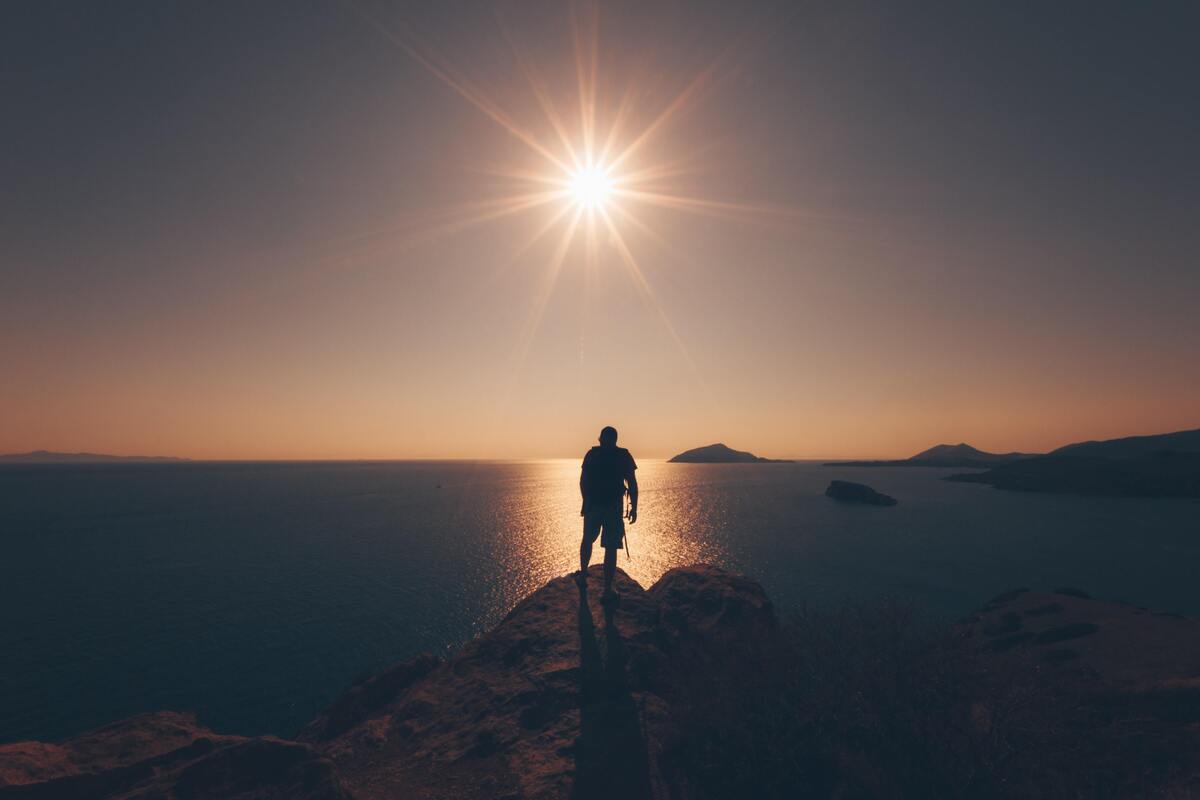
column 605, row 470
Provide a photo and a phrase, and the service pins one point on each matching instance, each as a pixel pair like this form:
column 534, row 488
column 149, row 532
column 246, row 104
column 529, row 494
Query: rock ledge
column 563, row 698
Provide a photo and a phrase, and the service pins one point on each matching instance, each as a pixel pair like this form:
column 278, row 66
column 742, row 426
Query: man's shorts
column 610, row 519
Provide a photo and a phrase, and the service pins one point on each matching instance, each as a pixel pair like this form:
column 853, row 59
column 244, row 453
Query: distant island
column 1163, row 465
column 849, row 492
column 720, row 454
column 942, row 455
column 48, row 457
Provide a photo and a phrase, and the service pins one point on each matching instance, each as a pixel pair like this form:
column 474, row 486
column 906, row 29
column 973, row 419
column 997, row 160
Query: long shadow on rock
column 610, row 753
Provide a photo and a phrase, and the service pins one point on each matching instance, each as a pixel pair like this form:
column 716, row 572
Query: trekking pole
column 625, row 531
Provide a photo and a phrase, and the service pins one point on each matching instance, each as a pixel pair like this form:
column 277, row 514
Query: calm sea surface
column 254, row 593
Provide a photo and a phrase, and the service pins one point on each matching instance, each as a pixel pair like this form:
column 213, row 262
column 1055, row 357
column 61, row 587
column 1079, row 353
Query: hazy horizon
column 561, row 456
column 844, row 231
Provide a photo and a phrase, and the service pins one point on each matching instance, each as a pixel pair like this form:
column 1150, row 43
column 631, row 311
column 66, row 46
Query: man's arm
column 583, row 486
column 582, row 494
column 633, row 492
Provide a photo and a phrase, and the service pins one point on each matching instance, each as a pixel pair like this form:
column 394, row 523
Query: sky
column 288, row 230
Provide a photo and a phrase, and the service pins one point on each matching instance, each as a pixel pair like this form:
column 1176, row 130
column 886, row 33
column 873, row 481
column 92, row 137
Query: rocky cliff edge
column 563, row 698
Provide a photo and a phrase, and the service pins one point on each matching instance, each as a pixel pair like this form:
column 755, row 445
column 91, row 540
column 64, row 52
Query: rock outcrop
column 849, row 492
column 564, row 698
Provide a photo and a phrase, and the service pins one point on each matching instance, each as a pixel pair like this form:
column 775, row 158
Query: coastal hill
column 1034, row 695
column 962, row 450
column 1165, row 465
column 1132, row 446
column 49, row 457
column 720, row 454
column 942, row 455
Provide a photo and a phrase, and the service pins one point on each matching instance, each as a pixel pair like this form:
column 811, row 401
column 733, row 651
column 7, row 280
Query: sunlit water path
column 254, row 593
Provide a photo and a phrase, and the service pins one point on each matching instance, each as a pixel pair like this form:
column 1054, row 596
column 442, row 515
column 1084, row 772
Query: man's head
column 608, row 436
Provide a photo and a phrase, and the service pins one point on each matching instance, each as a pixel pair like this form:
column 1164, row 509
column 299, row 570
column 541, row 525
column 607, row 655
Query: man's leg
column 585, row 554
column 610, row 567
column 591, row 529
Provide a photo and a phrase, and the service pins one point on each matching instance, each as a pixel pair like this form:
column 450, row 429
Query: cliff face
column 561, row 699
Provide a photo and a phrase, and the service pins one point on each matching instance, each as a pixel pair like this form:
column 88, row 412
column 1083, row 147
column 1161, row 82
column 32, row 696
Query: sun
column 596, row 170
column 590, row 187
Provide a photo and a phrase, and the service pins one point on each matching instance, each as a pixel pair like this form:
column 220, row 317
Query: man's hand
column 632, row 514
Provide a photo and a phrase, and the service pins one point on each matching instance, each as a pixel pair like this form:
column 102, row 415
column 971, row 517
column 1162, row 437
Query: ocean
column 254, row 593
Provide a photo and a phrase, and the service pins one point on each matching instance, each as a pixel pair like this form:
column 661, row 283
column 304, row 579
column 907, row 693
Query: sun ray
column 562, row 181
column 704, row 79
column 505, row 267
column 586, row 65
column 471, row 214
column 465, row 89
column 647, row 294
column 677, row 167
column 542, row 230
column 657, row 237
column 693, row 88
column 549, row 279
column 542, row 94
column 726, row 209
column 351, row 252
column 614, row 130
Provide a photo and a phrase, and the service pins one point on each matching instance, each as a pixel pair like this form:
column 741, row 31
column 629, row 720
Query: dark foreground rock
column 564, row 698
column 691, row 690
column 166, row 755
column 848, row 492
column 560, row 700
column 1111, row 647
column 1113, row 691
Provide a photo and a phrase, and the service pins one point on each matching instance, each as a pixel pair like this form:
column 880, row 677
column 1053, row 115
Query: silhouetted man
column 606, row 471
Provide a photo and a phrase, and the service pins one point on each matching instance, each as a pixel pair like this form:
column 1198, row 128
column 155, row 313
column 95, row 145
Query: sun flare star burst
column 594, row 164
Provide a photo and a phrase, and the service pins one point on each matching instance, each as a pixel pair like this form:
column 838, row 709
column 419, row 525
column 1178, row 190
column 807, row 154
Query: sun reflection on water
column 538, row 528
